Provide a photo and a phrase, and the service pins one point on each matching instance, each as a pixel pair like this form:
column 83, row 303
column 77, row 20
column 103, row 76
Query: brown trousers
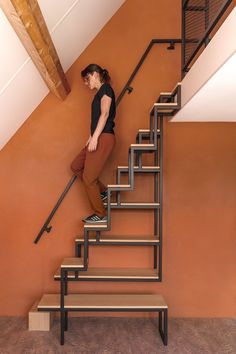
column 88, row 166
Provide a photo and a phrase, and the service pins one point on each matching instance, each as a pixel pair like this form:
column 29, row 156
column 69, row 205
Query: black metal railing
column 199, row 18
column 127, row 88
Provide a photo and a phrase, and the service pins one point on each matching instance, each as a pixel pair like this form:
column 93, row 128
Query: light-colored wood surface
column 119, row 186
column 121, row 238
column 136, row 204
column 104, row 301
column 96, row 226
column 168, row 104
column 142, row 168
column 178, row 84
column 114, row 273
column 73, row 262
column 28, row 22
column 147, row 130
column 39, row 321
column 142, row 145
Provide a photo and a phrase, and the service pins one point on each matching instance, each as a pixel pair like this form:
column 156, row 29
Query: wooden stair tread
column 142, row 145
column 118, row 185
column 143, row 167
column 133, row 204
column 114, row 273
column 147, row 130
column 72, row 262
column 169, row 104
column 176, row 86
column 165, row 93
column 120, row 238
column 103, row 301
column 96, row 226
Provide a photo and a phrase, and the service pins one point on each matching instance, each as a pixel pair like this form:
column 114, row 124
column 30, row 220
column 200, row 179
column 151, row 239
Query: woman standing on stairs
column 89, row 163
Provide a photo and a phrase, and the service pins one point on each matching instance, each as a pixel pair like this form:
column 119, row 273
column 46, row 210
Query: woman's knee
column 88, row 181
column 72, row 167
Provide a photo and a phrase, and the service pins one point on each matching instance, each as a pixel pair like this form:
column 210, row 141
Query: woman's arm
column 105, row 108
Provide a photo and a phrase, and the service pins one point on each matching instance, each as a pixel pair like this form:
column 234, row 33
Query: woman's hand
column 88, row 141
column 92, row 146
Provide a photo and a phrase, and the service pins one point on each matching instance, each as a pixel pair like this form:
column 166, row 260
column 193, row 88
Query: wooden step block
column 103, row 301
column 113, row 274
column 121, row 239
column 39, row 321
column 73, row 262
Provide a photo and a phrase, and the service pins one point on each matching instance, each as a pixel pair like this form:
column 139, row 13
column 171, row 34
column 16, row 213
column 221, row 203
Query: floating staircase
column 77, row 268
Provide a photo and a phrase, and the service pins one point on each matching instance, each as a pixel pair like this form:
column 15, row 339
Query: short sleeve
column 106, row 90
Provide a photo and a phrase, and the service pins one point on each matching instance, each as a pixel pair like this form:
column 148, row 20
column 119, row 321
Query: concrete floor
column 90, row 335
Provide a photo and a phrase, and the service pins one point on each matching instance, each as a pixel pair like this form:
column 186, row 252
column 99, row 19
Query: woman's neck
column 98, row 85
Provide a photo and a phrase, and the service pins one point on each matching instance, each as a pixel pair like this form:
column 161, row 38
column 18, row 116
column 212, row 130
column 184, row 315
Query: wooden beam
column 27, row 20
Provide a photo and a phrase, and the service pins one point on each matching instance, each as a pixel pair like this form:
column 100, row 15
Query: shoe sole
column 95, row 222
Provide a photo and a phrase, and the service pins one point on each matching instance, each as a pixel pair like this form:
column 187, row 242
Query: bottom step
column 112, row 274
column 107, row 302
column 103, row 301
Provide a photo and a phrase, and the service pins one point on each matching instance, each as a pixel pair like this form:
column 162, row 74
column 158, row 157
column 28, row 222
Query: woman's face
column 90, row 80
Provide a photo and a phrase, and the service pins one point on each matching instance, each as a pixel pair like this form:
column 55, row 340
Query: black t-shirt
column 105, row 89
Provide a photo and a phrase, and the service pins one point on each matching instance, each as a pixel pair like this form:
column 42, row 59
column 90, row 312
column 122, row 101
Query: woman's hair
column 103, row 73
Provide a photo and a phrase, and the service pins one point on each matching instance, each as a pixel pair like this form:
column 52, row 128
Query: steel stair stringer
column 167, row 105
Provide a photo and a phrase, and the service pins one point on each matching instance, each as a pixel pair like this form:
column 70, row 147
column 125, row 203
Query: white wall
column 73, row 24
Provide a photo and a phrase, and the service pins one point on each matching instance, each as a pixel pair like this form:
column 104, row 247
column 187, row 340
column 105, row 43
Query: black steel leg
column 66, row 321
column 78, row 250
column 62, row 327
column 97, row 236
column 66, row 287
column 165, row 340
column 160, row 322
column 139, row 159
column 163, row 331
column 155, row 256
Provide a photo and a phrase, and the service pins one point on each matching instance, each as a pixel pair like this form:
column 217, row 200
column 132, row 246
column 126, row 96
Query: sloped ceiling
column 72, row 24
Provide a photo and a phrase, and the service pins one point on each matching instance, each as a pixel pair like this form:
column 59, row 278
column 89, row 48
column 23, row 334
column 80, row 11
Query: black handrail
column 47, row 222
column 127, row 88
column 149, row 47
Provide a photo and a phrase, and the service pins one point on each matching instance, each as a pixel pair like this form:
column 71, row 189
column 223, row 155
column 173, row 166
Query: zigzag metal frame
column 156, row 131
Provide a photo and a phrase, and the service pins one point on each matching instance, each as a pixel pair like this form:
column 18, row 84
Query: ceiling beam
column 27, row 20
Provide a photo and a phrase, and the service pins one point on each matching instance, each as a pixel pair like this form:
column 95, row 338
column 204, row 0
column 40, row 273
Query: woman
column 89, row 163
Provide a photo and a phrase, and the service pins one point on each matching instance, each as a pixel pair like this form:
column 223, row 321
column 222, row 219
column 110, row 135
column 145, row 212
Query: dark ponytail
column 103, row 73
column 105, row 76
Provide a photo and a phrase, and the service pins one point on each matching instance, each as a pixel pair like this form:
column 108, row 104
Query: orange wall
column 199, row 181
